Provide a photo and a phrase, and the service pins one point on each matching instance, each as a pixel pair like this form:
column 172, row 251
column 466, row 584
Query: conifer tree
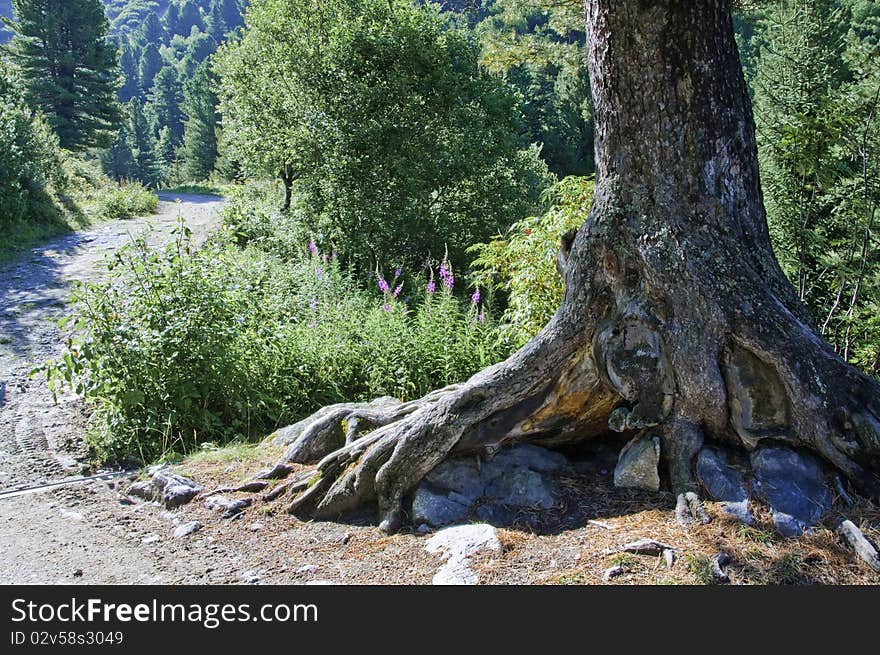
column 200, row 136
column 69, row 68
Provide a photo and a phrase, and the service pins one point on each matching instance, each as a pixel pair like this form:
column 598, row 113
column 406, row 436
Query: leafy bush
column 29, row 156
column 115, row 200
column 522, row 265
column 182, row 347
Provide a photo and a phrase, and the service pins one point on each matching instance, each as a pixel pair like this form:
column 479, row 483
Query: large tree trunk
column 676, row 317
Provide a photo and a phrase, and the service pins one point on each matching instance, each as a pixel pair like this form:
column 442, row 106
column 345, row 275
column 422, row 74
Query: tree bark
column 676, row 319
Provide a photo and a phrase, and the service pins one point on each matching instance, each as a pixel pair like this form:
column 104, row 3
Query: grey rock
column 863, row 548
column 496, row 515
column 457, row 544
column 308, row 568
column 175, row 489
column 793, row 484
column 186, row 529
column 71, row 516
column 719, row 562
column 217, row 503
column 459, row 476
column 637, row 464
column 531, row 457
column 436, row 509
column 522, row 487
column 150, row 539
column 236, row 507
column 724, row 483
column 646, row 547
column 142, row 490
column 613, row 572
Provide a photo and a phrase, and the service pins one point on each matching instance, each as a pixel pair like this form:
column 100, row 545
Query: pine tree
column 69, row 67
column 151, row 31
column 129, row 63
column 200, row 136
column 117, row 161
column 150, row 65
column 190, row 17
column 166, row 148
column 165, row 100
column 147, row 168
column 171, row 21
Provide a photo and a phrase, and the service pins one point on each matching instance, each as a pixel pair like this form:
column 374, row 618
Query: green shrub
column 115, row 200
column 29, row 156
column 522, row 265
column 182, row 347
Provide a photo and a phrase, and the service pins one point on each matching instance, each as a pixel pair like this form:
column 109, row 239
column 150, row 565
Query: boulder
column 637, row 464
column 459, row 476
column 436, row 509
column 519, row 477
column 522, row 487
column 724, row 484
column 793, row 484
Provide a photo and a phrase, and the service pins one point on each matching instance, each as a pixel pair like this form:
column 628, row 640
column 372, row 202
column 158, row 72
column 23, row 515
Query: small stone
column 613, row 572
column 256, row 527
column 72, row 516
column 637, row 464
column 78, row 573
column 669, row 557
column 793, row 484
column 719, row 562
column 186, row 529
column 142, row 490
column 150, row 539
column 424, row 528
column 308, row 568
column 646, row 547
column 234, row 509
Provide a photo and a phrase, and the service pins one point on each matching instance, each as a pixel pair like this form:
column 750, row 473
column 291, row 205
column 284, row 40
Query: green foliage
column 521, row 266
column 69, row 68
column 200, row 136
column 184, row 346
column 120, row 200
column 401, row 144
column 133, row 156
column 29, row 156
column 819, row 139
column 538, row 46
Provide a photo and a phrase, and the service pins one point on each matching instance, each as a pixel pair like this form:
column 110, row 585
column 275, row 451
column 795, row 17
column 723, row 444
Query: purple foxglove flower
column 384, row 287
column 386, row 307
column 475, row 297
column 398, row 273
column 319, row 272
column 431, row 288
column 313, row 248
column 397, row 291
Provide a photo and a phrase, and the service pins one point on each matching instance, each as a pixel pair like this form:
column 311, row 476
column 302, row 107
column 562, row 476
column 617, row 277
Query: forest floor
column 92, row 533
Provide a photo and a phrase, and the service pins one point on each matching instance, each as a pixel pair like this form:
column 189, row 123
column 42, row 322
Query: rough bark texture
column 676, row 319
